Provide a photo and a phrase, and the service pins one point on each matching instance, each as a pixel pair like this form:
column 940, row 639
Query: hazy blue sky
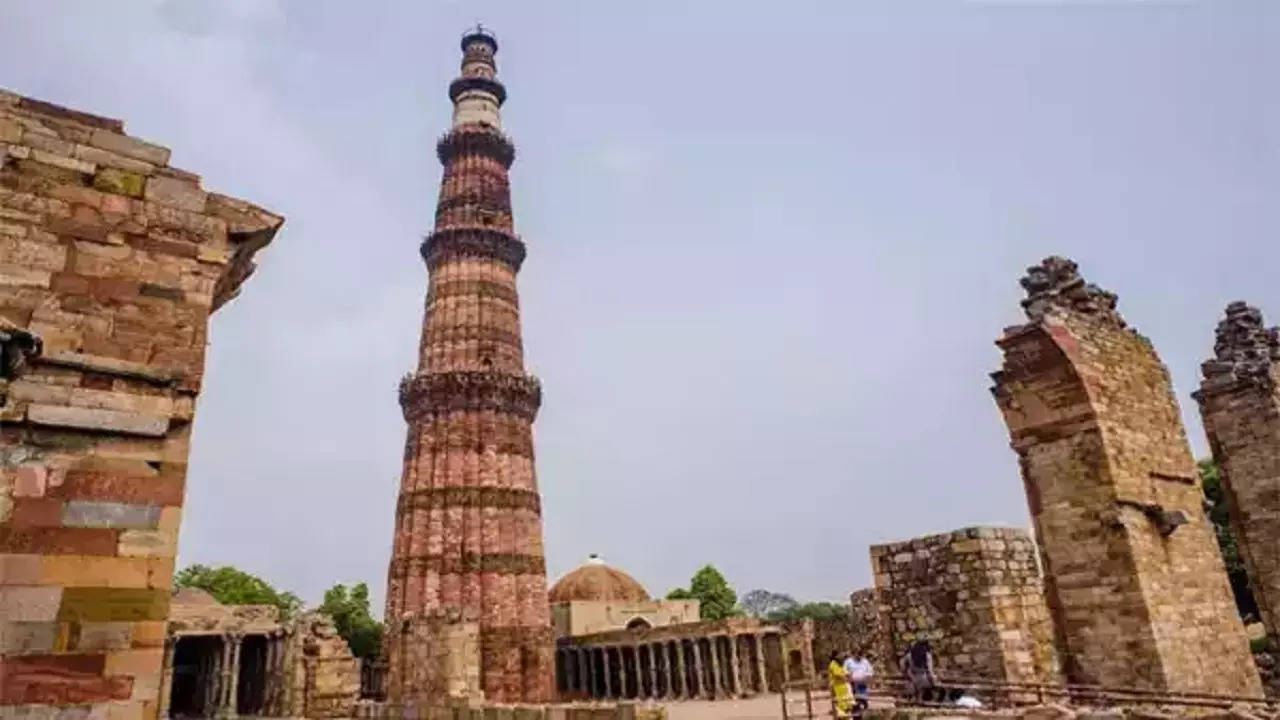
column 770, row 245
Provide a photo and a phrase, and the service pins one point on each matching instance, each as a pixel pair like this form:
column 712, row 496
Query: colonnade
column 220, row 667
column 703, row 667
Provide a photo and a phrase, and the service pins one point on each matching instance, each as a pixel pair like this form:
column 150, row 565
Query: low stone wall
column 976, row 595
column 366, row 710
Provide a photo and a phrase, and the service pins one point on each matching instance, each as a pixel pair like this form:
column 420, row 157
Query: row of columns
column 711, row 667
column 220, row 672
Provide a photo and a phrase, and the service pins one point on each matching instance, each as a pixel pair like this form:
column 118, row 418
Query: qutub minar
column 468, row 519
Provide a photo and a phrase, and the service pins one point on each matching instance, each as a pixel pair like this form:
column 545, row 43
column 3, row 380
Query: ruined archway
column 1111, row 485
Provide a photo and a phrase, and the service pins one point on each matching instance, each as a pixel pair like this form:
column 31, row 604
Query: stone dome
column 594, row 580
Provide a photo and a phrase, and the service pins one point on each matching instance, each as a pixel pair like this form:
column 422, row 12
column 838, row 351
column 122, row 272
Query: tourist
column 841, row 698
column 860, row 672
column 917, row 666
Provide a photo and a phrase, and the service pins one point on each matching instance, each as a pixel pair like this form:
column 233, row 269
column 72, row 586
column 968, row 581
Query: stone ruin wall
column 1239, row 400
column 859, row 631
column 867, row 631
column 975, row 594
column 322, row 677
column 434, row 659
column 1133, row 572
column 111, row 261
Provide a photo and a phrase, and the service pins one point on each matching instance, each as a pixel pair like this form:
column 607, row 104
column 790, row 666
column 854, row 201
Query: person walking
column 917, row 666
column 841, row 698
column 860, row 671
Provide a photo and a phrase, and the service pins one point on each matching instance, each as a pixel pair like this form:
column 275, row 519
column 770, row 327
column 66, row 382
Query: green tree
column 811, row 610
column 349, row 609
column 717, row 600
column 231, row 586
column 1220, row 515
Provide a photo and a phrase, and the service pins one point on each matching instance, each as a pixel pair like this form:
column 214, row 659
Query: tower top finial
column 479, row 33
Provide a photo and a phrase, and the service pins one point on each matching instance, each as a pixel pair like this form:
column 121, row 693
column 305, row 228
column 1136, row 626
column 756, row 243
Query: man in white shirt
column 860, row 671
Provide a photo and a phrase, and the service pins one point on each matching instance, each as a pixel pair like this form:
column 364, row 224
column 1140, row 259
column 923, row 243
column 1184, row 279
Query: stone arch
column 639, row 623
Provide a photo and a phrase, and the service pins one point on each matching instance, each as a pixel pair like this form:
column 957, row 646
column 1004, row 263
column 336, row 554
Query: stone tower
column 1133, row 576
column 1240, row 403
column 468, row 535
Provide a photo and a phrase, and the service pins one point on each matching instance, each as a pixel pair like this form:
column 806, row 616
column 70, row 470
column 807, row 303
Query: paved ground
column 764, row 707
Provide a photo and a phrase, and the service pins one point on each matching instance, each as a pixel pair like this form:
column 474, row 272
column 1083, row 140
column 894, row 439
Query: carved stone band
column 504, row 636
column 482, row 288
column 473, row 241
column 499, row 563
column 476, row 140
column 461, row 390
column 484, row 497
column 476, row 82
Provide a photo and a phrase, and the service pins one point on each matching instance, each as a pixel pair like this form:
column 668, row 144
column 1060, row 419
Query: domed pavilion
column 597, row 597
column 615, row 642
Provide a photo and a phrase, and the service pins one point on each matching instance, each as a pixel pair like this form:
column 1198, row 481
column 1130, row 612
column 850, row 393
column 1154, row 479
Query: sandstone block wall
column 976, row 596
column 859, row 631
column 869, row 636
column 1133, row 573
column 111, row 261
column 1239, row 401
column 434, row 659
column 322, row 676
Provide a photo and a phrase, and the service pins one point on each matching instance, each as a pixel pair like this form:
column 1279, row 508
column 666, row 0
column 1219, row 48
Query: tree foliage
column 349, row 609
column 717, row 600
column 765, row 603
column 231, row 586
column 1219, row 514
column 812, row 611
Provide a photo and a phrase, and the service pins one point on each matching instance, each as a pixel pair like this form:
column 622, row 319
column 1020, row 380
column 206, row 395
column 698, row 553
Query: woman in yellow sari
column 841, row 696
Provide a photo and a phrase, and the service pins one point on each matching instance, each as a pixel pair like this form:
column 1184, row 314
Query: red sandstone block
column 53, row 690
column 113, row 288
column 55, row 679
column 163, row 489
column 66, row 283
column 58, row 541
column 84, row 228
column 164, row 246
column 41, row 512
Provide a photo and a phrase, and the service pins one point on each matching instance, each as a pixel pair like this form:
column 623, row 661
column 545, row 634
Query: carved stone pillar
column 762, row 679
column 735, row 674
column 699, row 683
column 662, row 662
column 273, row 675
column 220, row 673
column 231, row 676
column 166, row 675
column 211, row 673
column 680, row 670
column 626, row 676
column 717, row 681
column 608, row 682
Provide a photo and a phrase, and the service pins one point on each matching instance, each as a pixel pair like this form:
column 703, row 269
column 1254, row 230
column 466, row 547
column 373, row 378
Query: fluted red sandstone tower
column 468, row 519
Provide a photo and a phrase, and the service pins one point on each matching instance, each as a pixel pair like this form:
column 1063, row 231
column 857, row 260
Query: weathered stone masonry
column 976, row 595
column 110, row 263
column 1133, row 575
column 1240, row 403
column 468, row 521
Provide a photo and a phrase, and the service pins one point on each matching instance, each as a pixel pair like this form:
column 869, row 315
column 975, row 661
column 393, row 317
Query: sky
column 770, row 248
